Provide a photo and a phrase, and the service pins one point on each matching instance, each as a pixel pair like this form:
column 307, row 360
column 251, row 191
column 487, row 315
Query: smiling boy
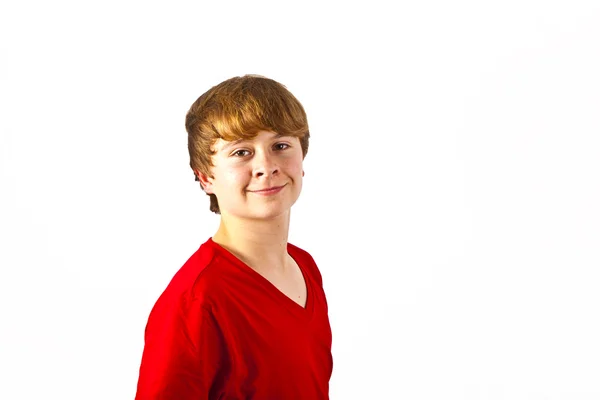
column 246, row 316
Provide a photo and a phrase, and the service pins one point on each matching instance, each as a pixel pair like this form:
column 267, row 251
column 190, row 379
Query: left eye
column 284, row 144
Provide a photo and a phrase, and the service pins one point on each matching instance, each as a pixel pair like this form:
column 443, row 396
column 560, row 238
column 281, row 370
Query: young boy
column 246, row 316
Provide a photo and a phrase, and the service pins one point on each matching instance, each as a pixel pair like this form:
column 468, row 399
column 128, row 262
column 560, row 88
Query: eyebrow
column 231, row 144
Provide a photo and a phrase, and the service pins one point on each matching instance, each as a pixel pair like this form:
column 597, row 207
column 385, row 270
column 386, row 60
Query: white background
column 450, row 198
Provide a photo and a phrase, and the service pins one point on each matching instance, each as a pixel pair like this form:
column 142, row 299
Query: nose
column 265, row 164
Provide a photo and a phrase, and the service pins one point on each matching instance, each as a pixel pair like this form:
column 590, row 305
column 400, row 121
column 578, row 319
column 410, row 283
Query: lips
column 268, row 189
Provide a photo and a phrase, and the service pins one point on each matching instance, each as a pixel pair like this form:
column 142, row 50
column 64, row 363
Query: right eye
column 235, row 154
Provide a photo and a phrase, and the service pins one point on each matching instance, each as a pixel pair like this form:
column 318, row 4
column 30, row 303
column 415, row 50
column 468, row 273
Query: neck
column 261, row 244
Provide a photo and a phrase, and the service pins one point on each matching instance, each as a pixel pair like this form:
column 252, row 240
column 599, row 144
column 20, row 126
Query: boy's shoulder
column 299, row 251
column 307, row 261
column 198, row 278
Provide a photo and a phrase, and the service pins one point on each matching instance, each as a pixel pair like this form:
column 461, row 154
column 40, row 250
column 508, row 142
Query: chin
column 269, row 211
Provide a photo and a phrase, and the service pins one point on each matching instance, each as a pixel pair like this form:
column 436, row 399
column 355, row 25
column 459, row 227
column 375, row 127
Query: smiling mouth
column 268, row 192
column 274, row 188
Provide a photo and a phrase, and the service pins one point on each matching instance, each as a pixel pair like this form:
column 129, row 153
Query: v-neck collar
column 291, row 305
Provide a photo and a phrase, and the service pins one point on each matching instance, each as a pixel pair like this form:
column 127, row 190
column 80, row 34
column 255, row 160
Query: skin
column 254, row 227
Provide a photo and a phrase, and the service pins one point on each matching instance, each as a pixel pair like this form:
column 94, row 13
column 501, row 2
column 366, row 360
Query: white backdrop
column 450, row 198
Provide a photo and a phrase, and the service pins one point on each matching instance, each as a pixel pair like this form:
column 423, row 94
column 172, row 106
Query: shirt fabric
column 220, row 330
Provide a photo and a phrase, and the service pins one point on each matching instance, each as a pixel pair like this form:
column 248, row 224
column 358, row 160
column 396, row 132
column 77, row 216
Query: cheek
column 296, row 170
column 235, row 177
column 294, row 165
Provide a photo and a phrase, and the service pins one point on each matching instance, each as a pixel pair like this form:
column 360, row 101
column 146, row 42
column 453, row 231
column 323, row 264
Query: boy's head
column 239, row 108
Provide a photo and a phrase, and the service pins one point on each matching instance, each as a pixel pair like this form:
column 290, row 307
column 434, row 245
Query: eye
column 239, row 151
column 285, row 144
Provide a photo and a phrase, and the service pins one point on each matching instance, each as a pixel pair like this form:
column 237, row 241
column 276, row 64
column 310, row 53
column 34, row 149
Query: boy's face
column 243, row 168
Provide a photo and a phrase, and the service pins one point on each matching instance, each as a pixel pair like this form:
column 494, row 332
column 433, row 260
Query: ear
column 205, row 181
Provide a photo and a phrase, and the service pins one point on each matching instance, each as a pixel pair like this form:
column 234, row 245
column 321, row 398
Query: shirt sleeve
column 183, row 352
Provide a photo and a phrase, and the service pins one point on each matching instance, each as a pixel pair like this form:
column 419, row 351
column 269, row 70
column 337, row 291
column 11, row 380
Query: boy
column 246, row 316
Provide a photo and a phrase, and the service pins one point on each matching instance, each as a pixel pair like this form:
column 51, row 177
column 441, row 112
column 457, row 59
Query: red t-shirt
column 220, row 330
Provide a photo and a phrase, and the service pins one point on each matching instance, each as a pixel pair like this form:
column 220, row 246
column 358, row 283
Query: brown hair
column 239, row 108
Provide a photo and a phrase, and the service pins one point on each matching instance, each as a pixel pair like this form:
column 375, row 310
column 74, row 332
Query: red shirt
column 221, row 330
